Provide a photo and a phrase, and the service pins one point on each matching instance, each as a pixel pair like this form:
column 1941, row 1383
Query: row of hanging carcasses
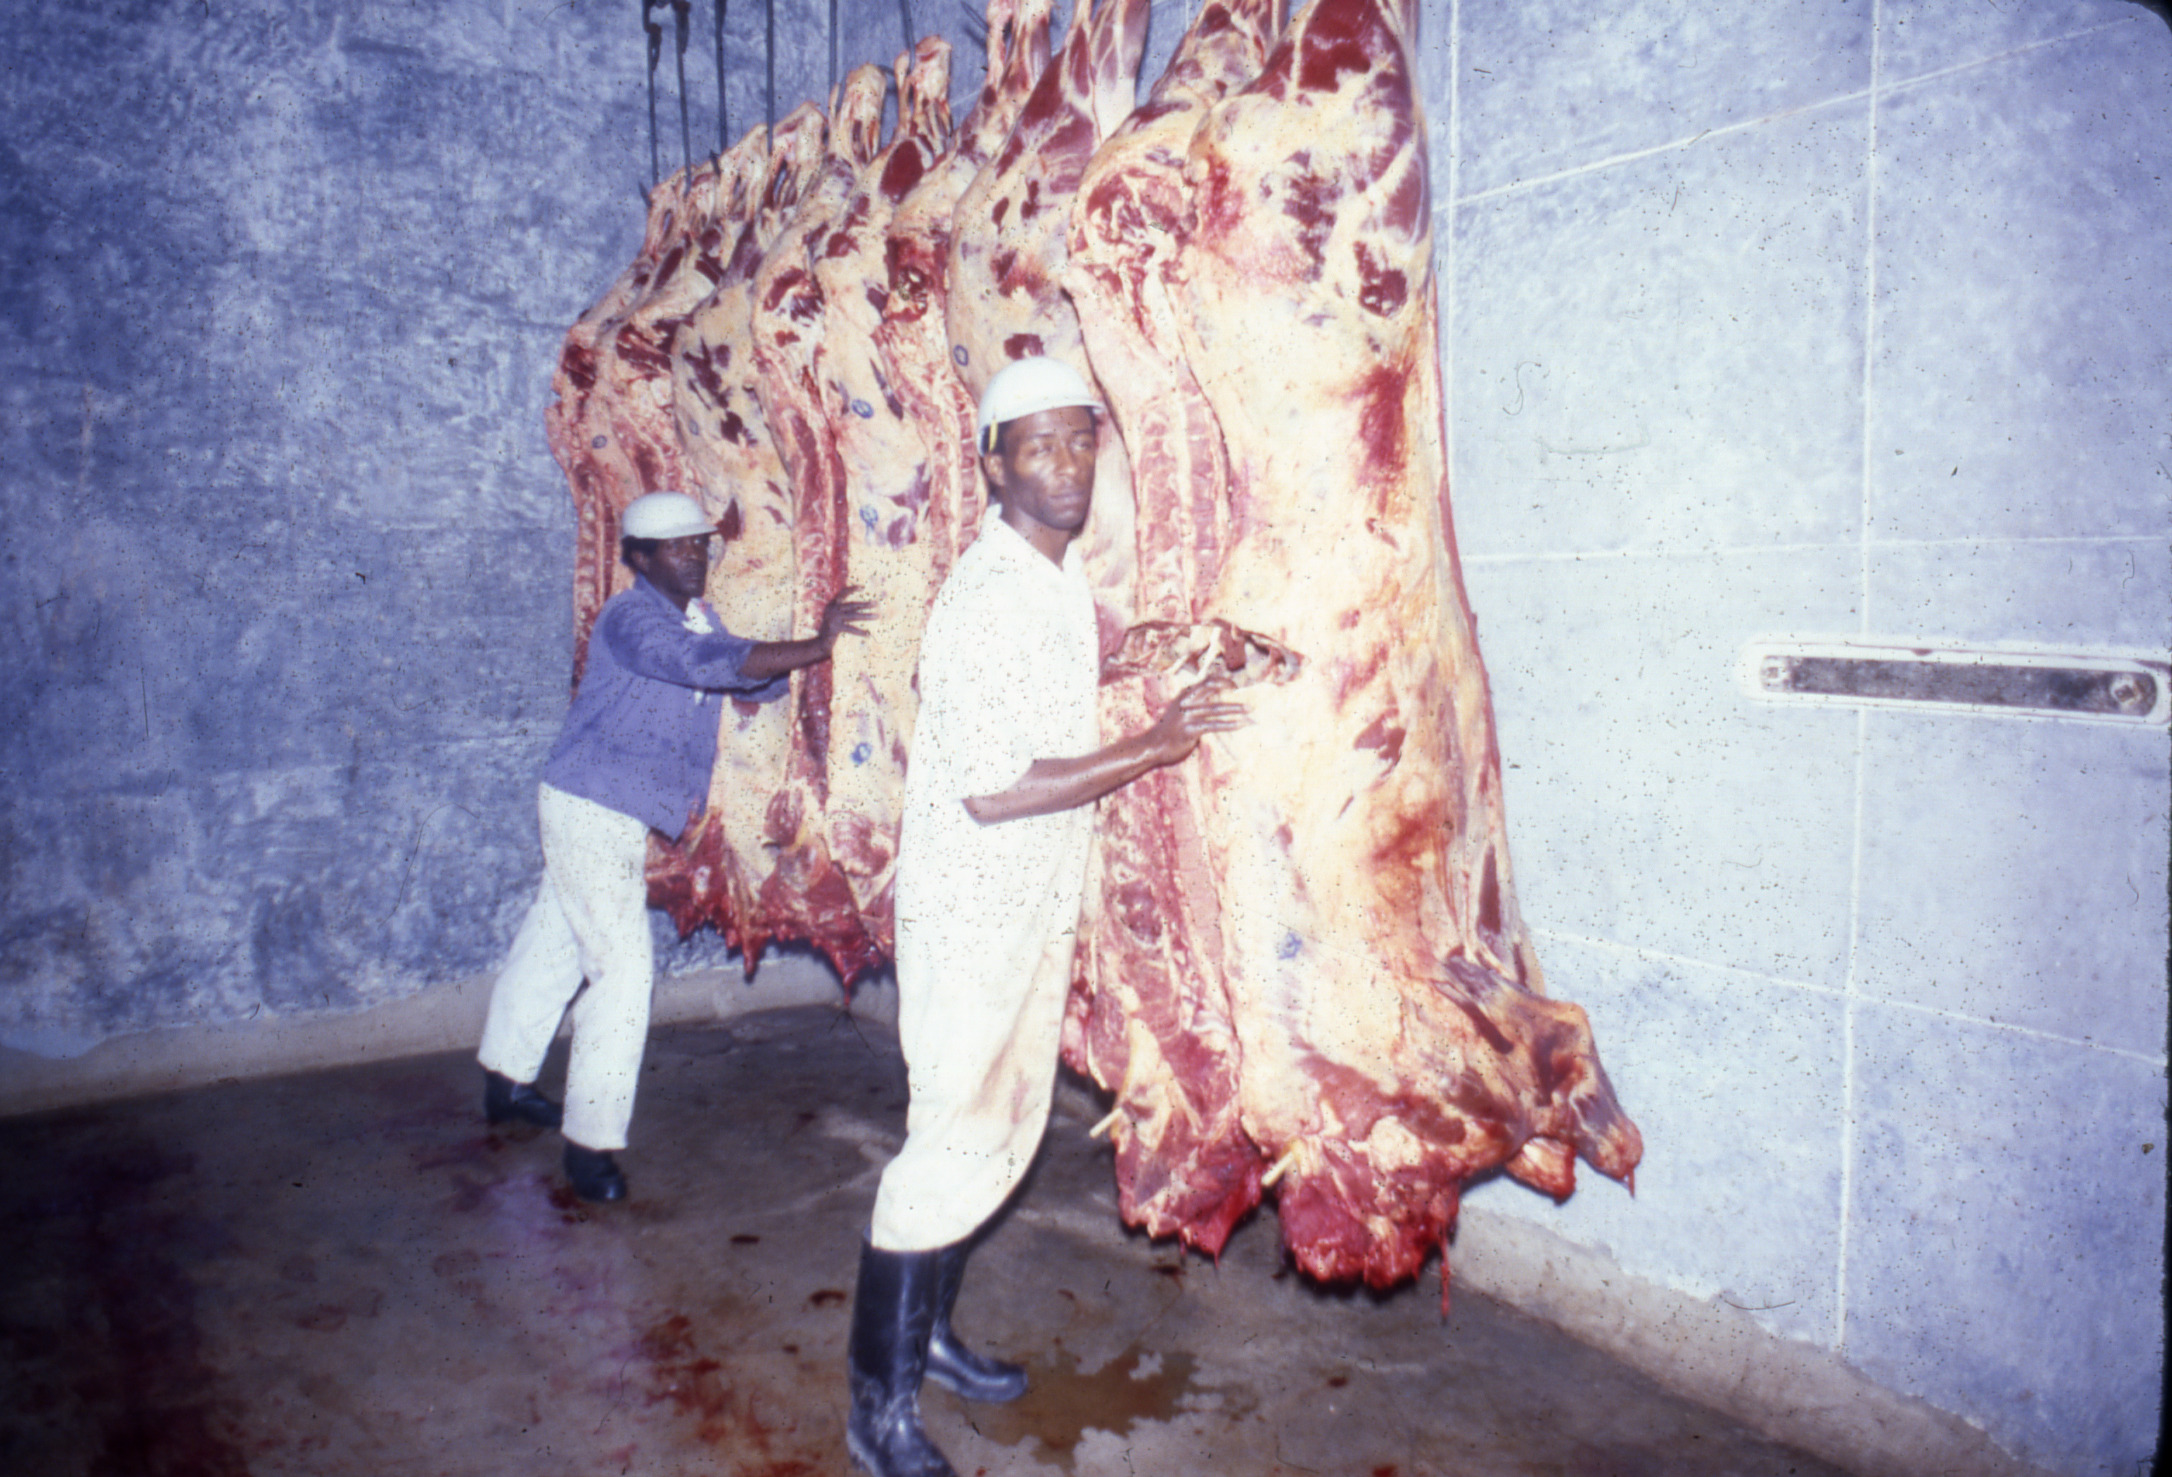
column 1301, row 961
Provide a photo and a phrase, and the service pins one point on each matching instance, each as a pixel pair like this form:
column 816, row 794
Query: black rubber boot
column 951, row 1363
column 503, row 1098
column 593, row 1173
column 893, row 1310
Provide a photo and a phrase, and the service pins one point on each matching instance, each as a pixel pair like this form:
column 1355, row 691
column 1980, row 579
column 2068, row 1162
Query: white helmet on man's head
column 1025, row 386
column 661, row 515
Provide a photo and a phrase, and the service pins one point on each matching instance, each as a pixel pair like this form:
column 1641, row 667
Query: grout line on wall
column 1841, row 992
column 1662, row 956
column 1968, row 541
column 1850, row 979
column 1573, row 556
column 1850, row 996
column 1515, row 187
column 1865, row 512
column 1998, row 56
column 2034, row 1033
column 1455, row 98
column 1706, row 551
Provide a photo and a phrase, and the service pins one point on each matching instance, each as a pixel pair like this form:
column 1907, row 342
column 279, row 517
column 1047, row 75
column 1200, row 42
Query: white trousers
column 590, row 921
column 980, row 1064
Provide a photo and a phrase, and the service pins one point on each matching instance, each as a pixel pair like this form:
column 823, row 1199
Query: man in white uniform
column 1006, row 764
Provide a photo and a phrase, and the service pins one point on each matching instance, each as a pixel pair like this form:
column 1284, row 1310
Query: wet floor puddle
column 1062, row 1404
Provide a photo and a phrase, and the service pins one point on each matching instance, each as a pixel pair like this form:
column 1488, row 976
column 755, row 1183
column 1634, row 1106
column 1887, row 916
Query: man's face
column 1043, row 468
column 679, row 568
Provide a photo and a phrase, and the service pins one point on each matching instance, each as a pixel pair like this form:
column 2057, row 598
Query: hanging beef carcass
column 714, row 875
column 612, row 426
column 1131, row 213
column 884, row 547
column 1152, row 1014
column 1302, row 962
column 1386, row 1005
column 1009, row 240
column 1010, row 229
column 804, row 890
column 913, row 337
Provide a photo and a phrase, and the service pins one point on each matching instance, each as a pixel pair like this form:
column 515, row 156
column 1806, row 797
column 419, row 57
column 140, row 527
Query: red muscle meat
column 913, row 337
column 612, row 427
column 1151, row 1016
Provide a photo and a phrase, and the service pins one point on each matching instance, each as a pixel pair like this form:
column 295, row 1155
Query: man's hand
column 1198, row 710
column 845, row 612
column 1050, row 785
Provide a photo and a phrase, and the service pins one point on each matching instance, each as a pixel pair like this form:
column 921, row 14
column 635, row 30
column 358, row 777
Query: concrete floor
column 346, row 1272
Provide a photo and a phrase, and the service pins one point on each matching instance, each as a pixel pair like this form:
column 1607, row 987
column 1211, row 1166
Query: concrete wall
column 284, row 607
column 1839, row 318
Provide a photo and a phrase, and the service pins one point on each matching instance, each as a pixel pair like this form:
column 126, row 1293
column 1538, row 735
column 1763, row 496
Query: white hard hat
column 666, row 515
column 1026, row 385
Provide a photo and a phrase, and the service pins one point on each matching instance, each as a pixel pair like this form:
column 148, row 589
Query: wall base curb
column 444, row 1017
column 1797, row 1393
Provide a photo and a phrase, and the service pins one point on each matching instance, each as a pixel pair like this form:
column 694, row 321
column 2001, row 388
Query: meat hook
column 656, row 52
column 681, row 14
column 723, row 133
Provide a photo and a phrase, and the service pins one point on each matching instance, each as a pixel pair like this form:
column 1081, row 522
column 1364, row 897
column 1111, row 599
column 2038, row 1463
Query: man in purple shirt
column 634, row 756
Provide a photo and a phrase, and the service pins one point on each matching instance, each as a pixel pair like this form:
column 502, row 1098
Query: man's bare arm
column 775, row 658
column 1051, row 785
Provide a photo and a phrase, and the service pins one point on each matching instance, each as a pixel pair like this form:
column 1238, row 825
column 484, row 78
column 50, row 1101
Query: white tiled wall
column 1836, row 319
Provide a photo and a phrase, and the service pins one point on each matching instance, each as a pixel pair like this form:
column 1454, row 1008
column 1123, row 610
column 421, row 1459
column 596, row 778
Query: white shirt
column 1009, row 666
column 987, row 915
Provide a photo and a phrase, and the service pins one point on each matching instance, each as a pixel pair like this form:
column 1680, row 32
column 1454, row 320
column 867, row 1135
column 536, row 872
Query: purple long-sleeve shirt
column 641, row 735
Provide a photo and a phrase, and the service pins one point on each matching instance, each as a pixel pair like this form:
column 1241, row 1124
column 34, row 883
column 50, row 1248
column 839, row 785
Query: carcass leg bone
column 1280, row 1167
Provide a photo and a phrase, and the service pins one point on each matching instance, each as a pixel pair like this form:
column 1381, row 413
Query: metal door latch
column 2017, row 682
